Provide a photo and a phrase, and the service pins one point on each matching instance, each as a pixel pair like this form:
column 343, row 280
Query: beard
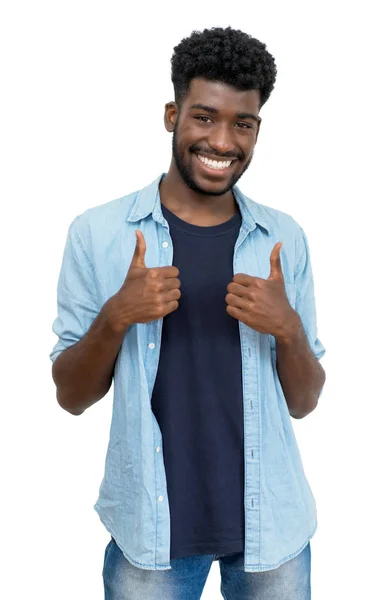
column 187, row 174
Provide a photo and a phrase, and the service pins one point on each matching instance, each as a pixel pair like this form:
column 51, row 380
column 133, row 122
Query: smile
column 219, row 165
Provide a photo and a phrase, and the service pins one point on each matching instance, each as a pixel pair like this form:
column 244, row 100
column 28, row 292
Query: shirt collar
column 147, row 202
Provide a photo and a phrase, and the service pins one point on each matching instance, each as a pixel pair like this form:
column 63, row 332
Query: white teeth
column 215, row 164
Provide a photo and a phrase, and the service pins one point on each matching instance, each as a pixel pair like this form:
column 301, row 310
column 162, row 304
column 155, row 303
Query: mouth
column 215, row 166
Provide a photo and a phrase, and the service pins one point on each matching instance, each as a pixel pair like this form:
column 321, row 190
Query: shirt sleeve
column 305, row 300
column 77, row 302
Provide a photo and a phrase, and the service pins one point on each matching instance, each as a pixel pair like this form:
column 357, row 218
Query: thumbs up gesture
column 262, row 304
column 147, row 294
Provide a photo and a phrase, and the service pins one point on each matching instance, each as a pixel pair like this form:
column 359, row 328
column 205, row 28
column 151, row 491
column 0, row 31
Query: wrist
column 291, row 331
column 111, row 320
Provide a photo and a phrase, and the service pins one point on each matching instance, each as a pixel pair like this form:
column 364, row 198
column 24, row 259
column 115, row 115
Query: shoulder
column 279, row 226
column 103, row 222
column 277, row 222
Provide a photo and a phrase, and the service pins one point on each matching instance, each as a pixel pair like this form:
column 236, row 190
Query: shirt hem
column 248, row 568
column 115, row 535
column 259, row 568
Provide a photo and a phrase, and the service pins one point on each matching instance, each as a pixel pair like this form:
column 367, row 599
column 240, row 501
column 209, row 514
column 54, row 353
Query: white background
column 84, row 88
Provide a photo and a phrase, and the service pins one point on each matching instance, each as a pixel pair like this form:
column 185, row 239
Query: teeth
column 215, row 164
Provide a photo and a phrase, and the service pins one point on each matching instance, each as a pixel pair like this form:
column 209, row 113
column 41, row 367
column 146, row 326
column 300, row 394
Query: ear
column 171, row 112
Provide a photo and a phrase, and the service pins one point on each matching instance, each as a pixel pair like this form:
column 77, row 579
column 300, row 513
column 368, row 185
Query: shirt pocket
column 291, row 291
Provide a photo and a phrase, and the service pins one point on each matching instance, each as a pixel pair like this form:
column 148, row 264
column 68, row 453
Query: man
column 199, row 303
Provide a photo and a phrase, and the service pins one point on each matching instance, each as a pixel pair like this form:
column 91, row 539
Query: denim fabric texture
column 280, row 510
column 187, row 577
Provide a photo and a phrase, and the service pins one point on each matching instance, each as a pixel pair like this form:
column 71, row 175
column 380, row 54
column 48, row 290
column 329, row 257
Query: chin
column 216, row 191
column 209, row 189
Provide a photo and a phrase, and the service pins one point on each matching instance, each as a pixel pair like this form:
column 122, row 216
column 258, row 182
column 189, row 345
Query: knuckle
column 159, row 310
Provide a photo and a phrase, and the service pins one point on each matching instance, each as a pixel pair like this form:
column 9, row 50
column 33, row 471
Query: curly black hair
column 227, row 55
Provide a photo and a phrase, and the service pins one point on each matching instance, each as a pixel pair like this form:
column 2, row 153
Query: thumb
column 138, row 259
column 276, row 270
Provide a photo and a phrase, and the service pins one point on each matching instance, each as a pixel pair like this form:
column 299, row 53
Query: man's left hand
column 262, row 304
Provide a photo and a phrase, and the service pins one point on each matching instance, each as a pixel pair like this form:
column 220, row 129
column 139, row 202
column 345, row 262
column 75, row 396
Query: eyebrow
column 212, row 109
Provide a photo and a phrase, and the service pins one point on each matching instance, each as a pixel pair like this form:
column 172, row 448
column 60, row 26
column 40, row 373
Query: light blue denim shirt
column 280, row 510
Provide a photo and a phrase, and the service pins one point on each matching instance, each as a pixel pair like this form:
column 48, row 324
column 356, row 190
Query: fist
column 146, row 294
column 262, row 304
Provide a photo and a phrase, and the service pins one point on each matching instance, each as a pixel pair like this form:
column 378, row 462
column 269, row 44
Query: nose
column 220, row 139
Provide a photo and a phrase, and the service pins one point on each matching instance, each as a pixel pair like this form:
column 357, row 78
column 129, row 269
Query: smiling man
column 199, row 303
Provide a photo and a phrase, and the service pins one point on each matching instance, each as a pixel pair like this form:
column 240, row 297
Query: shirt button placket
column 152, row 346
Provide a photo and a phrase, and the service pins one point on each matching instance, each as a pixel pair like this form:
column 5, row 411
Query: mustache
column 216, row 154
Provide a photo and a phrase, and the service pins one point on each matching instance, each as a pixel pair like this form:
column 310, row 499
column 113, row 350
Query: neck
column 180, row 199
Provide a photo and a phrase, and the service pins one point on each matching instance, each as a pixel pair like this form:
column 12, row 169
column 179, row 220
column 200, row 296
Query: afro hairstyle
column 226, row 55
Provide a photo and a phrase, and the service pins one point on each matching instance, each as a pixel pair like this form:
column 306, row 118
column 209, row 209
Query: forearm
column 301, row 375
column 83, row 373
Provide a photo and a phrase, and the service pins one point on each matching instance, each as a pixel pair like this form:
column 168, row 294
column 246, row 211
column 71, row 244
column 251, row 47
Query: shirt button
column 158, row 449
column 160, row 498
column 165, row 244
column 151, row 346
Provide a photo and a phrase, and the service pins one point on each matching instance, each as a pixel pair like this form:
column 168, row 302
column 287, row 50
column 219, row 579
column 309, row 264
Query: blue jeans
column 188, row 575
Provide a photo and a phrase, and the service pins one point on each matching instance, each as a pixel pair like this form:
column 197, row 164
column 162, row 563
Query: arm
column 301, row 374
column 262, row 304
column 298, row 347
column 88, row 343
column 83, row 373
column 90, row 339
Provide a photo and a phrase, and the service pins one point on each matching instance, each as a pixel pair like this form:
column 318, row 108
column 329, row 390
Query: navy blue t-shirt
column 197, row 397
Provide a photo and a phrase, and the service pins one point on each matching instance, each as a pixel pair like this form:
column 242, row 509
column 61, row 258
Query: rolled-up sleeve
column 77, row 302
column 305, row 299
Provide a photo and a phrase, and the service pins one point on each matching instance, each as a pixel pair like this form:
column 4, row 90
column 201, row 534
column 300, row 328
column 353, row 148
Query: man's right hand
column 147, row 294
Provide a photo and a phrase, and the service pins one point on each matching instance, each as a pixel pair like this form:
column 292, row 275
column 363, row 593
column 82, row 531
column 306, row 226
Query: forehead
column 222, row 96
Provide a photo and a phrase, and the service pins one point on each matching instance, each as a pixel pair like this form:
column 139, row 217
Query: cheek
column 184, row 143
column 249, row 157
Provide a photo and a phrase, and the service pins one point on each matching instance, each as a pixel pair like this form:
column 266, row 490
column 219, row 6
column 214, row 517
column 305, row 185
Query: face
column 216, row 123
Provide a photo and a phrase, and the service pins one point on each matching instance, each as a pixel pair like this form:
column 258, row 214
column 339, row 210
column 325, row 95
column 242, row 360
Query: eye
column 203, row 117
column 246, row 126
